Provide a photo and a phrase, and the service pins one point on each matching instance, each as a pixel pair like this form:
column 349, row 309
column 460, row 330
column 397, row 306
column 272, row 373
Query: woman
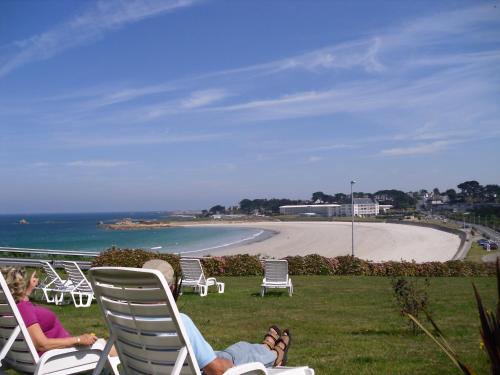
column 43, row 326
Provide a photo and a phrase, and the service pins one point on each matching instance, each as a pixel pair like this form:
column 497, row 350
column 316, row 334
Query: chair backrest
column 77, row 278
column 192, row 270
column 276, row 271
column 15, row 341
column 143, row 321
column 52, row 277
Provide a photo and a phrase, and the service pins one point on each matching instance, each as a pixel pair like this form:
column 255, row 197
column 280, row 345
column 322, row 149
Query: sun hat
column 163, row 266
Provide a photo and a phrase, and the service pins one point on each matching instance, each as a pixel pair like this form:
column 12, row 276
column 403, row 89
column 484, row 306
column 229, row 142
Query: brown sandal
column 272, row 336
column 281, row 348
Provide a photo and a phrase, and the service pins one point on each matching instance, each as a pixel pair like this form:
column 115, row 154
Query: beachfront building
column 309, row 209
column 362, row 207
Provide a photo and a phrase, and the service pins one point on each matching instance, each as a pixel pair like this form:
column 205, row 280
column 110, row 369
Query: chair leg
column 59, row 298
column 47, row 297
column 220, row 287
column 203, row 290
column 262, row 291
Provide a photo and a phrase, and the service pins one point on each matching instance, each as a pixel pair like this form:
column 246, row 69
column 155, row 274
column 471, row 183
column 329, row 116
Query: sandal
column 272, row 336
column 281, row 348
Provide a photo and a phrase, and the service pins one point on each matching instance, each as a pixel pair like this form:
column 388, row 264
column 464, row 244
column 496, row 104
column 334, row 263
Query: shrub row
column 247, row 265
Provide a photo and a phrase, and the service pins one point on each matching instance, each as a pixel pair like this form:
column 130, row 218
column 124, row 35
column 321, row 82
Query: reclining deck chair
column 276, row 276
column 18, row 351
column 82, row 292
column 53, row 284
column 146, row 328
column 193, row 276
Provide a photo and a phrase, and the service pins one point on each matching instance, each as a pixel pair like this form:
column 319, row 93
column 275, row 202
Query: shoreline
column 373, row 241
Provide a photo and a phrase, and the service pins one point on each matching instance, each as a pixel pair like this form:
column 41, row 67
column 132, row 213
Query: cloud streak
column 419, row 149
column 104, row 17
column 97, row 163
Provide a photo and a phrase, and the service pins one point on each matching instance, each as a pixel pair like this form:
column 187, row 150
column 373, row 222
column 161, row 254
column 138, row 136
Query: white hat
column 163, row 266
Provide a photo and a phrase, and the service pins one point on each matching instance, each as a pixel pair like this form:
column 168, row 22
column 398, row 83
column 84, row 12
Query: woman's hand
column 86, row 339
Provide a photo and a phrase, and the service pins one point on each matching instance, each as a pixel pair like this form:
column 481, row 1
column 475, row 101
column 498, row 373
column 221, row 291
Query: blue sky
column 184, row 104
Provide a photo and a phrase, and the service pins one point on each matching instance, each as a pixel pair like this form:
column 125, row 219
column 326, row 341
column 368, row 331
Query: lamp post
column 352, row 216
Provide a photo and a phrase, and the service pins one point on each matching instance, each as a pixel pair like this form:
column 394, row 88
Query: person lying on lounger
column 273, row 351
column 44, row 328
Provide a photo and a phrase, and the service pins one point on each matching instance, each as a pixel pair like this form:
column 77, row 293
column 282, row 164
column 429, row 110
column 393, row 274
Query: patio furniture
column 18, row 351
column 146, row 328
column 194, row 277
column 81, row 293
column 276, row 276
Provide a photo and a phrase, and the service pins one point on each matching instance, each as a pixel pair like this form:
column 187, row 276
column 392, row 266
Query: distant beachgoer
column 273, row 351
column 44, row 328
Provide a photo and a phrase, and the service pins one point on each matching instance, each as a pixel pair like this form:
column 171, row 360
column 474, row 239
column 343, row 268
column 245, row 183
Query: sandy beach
column 373, row 241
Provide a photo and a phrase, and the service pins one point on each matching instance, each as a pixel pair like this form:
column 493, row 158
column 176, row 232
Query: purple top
column 49, row 323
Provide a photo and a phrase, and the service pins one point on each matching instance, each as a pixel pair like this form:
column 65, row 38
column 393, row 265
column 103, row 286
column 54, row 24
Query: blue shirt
column 203, row 352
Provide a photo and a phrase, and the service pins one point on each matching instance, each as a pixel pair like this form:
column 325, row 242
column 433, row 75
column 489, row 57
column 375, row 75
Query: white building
column 308, row 209
column 362, row 207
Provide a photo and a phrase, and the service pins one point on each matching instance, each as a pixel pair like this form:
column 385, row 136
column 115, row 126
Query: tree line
column 469, row 192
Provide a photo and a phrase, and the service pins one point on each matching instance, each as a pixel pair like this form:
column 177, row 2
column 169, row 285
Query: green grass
column 340, row 325
column 477, row 252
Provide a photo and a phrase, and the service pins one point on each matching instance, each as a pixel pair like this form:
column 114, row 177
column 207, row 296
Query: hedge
column 249, row 265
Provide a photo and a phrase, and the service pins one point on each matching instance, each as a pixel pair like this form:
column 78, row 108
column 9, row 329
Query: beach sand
column 372, row 241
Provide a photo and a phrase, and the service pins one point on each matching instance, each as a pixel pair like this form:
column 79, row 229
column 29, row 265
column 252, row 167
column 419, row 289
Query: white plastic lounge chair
column 18, row 351
column 82, row 292
column 193, row 276
column 146, row 329
column 276, row 276
column 54, row 288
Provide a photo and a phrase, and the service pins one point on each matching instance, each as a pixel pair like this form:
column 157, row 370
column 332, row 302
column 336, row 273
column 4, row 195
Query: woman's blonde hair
column 16, row 280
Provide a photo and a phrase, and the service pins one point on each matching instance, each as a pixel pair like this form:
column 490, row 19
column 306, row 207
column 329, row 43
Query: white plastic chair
column 146, row 329
column 18, row 351
column 81, row 292
column 276, row 276
column 53, row 284
column 194, row 277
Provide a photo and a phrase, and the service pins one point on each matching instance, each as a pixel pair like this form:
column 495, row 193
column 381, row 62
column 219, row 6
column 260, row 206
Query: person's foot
column 281, row 348
column 272, row 336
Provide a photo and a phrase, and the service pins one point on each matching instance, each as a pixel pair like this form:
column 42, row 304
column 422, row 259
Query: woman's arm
column 43, row 343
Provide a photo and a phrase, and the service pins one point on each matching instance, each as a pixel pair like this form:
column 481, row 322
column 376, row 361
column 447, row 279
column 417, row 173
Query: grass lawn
column 340, row 325
column 477, row 252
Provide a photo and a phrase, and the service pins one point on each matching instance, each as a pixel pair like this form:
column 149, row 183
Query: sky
column 185, row 104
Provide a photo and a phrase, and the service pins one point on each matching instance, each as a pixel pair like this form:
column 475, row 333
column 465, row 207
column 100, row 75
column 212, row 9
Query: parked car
column 482, row 241
column 492, row 245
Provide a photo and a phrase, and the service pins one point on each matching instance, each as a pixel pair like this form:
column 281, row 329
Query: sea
column 82, row 232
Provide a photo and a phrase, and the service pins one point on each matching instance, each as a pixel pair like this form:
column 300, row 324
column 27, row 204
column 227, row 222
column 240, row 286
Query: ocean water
column 80, row 232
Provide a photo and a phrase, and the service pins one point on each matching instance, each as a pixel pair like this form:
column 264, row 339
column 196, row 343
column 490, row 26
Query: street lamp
column 352, row 216
column 463, row 217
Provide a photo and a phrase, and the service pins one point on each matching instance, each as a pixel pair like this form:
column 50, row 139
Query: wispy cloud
column 93, row 24
column 97, row 163
column 142, row 139
column 203, row 98
column 419, row 149
column 314, row 159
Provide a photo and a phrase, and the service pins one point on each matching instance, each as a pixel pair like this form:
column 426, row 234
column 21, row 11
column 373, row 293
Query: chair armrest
column 59, row 359
column 253, row 368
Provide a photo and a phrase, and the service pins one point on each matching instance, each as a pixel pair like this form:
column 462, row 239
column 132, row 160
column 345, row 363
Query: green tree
column 452, row 194
column 218, row 209
column 471, row 191
column 492, row 193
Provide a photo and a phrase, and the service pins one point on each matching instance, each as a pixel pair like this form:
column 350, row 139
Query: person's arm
column 43, row 343
column 217, row 367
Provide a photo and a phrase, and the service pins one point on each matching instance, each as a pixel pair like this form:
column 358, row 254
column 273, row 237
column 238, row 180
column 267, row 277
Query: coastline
column 373, row 241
